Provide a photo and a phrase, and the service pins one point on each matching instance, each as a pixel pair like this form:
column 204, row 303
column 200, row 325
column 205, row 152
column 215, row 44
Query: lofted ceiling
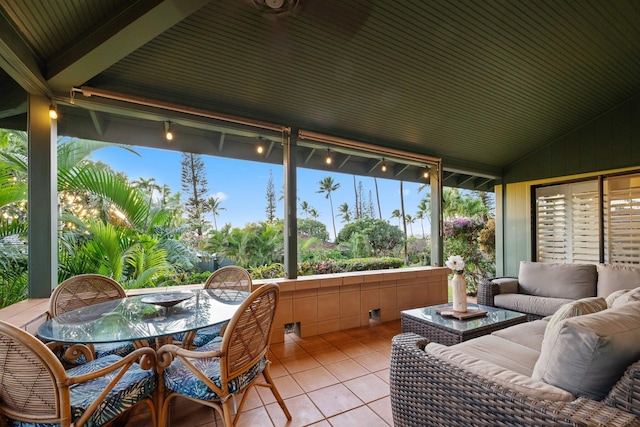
column 478, row 84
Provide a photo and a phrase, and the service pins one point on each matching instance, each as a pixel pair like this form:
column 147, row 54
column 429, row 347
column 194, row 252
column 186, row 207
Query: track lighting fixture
column 53, row 114
column 328, row 160
column 168, row 133
column 384, row 166
column 260, row 148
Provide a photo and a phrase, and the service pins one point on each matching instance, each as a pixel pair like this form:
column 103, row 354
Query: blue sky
column 241, row 186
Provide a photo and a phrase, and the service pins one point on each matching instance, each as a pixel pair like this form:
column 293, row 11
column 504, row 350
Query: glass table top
column 494, row 315
column 132, row 318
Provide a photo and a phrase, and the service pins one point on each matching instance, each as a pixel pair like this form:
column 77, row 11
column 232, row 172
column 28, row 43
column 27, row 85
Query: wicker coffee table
column 448, row 331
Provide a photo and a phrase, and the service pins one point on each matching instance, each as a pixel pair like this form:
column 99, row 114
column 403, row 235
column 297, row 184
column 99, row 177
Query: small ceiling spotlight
column 260, row 148
column 53, row 114
column 168, row 133
column 384, row 166
column 328, row 160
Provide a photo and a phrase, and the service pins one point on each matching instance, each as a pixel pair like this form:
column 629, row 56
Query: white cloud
column 220, row 196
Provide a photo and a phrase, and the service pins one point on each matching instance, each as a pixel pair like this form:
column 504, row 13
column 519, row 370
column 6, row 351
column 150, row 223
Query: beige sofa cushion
column 630, row 296
column 586, row 355
column 504, row 377
column 613, row 277
column 571, row 281
column 612, row 297
column 501, row 352
column 577, row 308
column 542, row 306
column 528, row 334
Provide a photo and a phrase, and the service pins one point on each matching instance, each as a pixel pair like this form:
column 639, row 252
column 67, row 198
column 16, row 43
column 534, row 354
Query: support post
column 435, row 180
column 289, row 162
column 42, row 198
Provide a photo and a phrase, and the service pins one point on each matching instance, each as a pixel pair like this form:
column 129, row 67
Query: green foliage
column 381, row 236
column 313, row 228
column 462, row 237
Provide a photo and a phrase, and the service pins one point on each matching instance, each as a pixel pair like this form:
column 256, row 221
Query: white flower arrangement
column 456, row 264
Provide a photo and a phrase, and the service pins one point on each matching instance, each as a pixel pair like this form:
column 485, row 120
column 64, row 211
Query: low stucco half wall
column 331, row 302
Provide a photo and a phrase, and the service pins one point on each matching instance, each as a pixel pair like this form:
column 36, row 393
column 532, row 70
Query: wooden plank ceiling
column 478, row 84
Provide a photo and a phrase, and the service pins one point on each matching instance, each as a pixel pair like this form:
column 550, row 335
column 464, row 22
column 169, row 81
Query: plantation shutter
column 551, row 225
column 567, row 223
column 622, row 219
column 585, row 205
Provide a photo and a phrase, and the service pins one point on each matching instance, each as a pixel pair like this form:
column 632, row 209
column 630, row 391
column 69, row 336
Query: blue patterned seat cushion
column 180, row 379
column 135, row 385
column 203, row 336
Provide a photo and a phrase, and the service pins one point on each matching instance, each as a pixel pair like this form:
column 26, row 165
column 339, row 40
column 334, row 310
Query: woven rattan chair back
column 35, row 389
column 242, row 356
column 229, row 277
column 29, row 373
column 248, row 334
column 83, row 290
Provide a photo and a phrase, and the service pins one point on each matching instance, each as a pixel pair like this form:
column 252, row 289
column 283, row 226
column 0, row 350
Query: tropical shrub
column 462, row 237
column 381, row 236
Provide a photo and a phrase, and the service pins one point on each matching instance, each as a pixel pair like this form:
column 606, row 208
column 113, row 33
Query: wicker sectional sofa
column 541, row 288
column 578, row 371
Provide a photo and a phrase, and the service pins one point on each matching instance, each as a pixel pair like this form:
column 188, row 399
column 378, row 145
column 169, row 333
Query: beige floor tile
column 285, row 350
column 313, row 379
column 373, row 361
column 286, row 385
column 303, row 412
column 368, row 388
column 258, row 417
column 355, row 349
column 337, row 338
column 362, row 416
column 347, row 369
column 329, row 355
column 334, row 400
column 299, row 363
column 314, row 344
column 382, row 407
column 383, row 375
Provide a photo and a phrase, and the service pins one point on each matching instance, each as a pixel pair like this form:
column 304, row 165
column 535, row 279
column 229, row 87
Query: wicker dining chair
column 36, row 390
column 228, row 365
column 84, row 290
column 231, row 278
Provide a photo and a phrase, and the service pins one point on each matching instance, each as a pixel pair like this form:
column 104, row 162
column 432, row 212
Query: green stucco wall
column 607, row 144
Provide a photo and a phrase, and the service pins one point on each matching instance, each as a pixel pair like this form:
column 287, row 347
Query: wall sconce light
column 384, row 166
column 260, row 148
column 53, row 114
column 328, row 160
column 168, row 133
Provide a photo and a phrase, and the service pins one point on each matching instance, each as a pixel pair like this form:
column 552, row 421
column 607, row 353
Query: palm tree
column 305, row 207
column 147, row 185
column 396, row 214
column 344, row 212
column 313, row 213
column 424, row 208
column 328, row 186
column 213, row 203
column 375, row 181
column 410, row 220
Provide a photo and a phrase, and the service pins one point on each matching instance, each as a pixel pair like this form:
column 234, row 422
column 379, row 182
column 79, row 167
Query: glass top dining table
column 143, row 317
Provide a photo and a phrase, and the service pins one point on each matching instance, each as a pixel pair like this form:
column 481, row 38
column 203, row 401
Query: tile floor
column 332, row 380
